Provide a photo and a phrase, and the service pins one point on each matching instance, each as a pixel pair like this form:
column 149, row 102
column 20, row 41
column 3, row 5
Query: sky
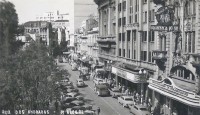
column 81, row 12
column 27, row 10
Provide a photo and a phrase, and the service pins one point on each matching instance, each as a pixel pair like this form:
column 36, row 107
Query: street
column 108, row 105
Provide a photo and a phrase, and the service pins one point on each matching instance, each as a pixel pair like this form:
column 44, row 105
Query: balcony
column 107, row 56
column 132, row 26
column 159, row 55
column 143, row 64
column 106, row 39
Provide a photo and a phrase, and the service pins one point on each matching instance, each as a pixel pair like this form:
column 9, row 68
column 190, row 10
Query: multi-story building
column 52, row 16
column 39, row 28
column 62, row 27
column 158, row 40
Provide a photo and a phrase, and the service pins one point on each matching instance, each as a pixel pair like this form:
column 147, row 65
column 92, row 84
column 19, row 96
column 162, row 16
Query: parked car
column 102, row 90
column 80, row 83
column 126, row 101
column 72, row 94
column 115, row 92
column 98, row 81
column 139, row 110
column 60, row 59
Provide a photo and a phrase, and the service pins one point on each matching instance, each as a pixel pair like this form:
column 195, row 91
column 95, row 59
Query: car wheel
column 98, row 93
column 123, row 105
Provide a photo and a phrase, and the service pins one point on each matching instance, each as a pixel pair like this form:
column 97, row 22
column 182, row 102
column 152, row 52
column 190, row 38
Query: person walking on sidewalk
column 98, row 110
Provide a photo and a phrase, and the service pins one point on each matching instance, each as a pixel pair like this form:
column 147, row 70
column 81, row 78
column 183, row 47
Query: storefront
column 172, row 99
column 133, row 80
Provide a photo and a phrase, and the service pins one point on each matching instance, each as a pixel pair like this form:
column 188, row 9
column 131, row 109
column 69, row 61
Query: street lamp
column 142, row 74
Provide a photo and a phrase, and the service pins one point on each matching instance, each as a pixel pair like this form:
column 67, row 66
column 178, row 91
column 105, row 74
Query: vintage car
column 98, row 81
column 72, row 94
column 102, row 90
column 80, row 83
column 139, row 110
column 115, row 92
column 126, row 101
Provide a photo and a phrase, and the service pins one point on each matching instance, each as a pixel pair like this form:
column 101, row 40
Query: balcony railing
column 159, row 55
column 132, row 25
column 107, row 56
column 143, row 64
column 106, row 39
column 175, row 92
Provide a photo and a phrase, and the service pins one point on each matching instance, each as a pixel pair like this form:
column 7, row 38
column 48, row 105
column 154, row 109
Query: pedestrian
column 98, row 110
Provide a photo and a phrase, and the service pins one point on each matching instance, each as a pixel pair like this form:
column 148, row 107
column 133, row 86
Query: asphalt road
column 108, row 105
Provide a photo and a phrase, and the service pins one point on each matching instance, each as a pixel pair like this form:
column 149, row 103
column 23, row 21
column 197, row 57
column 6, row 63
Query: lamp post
column 110, row 68
column 142, row 74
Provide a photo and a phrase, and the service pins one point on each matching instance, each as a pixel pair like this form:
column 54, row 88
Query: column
column 126, row 44
column 117, row 82
column 117, row 30
column 109, row 20
column 131, row 44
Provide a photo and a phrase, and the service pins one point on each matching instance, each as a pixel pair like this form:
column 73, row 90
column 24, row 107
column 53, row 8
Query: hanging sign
column 165, row 19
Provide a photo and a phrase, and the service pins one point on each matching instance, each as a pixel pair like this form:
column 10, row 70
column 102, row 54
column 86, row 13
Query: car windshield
column 128, row 99
column 143, row 109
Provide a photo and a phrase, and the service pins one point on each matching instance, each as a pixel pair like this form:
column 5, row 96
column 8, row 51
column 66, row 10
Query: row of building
column 50, row 28
column 151, row 47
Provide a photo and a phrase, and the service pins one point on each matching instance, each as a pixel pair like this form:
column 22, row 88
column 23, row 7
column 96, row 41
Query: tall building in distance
column 52, row 16
column 153, row 46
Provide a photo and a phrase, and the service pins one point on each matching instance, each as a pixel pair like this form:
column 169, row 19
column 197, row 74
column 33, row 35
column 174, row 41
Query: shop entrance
column 181, row 108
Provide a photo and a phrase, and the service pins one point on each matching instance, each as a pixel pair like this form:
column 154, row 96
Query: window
column 119, row 22
column 144, row 55
column 152, row 15
column 144, row 36
column 134, row 35
column 124, row 5
column 134, row 54
column 194, row 7
column 190, row 42
column 124, row 21
column 119, row 36
column 145, row 1
column 128, row 35
column 145, row 16
column 150, row 59
column 135, row 18
column 130, row 19
column 124, row 52
column 119, row 7
column 151, row 36
column 149, row 15
column 129, row 53
column 123, row 37
column 120, row 52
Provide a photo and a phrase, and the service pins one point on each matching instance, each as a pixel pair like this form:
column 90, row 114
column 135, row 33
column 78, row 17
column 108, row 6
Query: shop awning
column 168, row 88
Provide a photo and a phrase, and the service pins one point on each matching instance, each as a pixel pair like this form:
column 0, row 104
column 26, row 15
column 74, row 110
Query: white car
column 98, row 81
column 80, row 83
column 126, row 101
column 139, row 110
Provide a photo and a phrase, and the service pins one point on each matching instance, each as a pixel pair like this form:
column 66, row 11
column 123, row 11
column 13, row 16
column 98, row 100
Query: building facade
column 39, row 28
column 154, row 50
column 52, row 16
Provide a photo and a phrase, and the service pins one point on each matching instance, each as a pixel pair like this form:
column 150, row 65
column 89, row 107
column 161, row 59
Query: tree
column 8, row 26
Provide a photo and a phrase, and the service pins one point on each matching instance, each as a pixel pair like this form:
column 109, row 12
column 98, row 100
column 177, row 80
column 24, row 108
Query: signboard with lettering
column 165, row 19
